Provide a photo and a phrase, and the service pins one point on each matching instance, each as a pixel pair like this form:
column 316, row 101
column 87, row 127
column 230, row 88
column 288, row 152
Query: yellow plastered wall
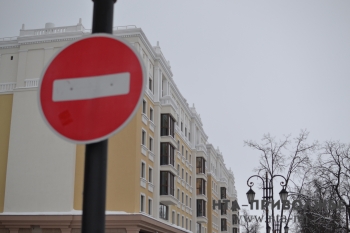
column 5, row 123
column 123, row 169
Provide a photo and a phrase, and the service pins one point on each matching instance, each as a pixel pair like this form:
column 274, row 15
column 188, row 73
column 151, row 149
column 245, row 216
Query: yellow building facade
column 159, row 177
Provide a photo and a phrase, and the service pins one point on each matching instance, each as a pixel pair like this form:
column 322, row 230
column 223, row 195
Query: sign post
column 95, row 174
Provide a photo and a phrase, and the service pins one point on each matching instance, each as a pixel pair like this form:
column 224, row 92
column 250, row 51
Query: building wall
column 42, row 173
column 5, row 123
column 40, row 168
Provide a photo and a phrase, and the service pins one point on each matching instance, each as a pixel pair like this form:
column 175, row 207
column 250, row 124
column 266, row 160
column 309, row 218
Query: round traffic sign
column 91, row 88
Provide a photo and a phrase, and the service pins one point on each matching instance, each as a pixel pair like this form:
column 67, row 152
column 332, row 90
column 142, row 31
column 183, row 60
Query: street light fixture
column 250, row 195
column 284, row 194
column 267, row 195
column 286, row 228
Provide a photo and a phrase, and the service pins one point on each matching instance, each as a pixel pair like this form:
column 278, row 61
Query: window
column 143, row 138
column 11, row 57
column 178, row 219
column 163, row 211
column 143, row 170
column 182, row 221
column 166, row 154
column 173, row 217
column 223, row 193
column 150, row 174
column 186, row 223
column 150, row 144
column 190, row 225
column 200, row 186
column 234, row 219
column 167, row 125
column 186, row 200
column 182, row 198
column 181, row 126
column 191, row 203
column 178, row 194
column 186, row 177
column 234, row 230
column 150, row 206
column 150, row 84
column 166, row 183
column 223, row 209
column 186, row 155
column 151, row 114
column 190, row 180
column 182, row 150
column 178, row 170
column 178, row 145
column 182, row 174
column 199, row 227
column 189, row 136
column 200, row 165
column 223, row 224
column 144, row 104
column 190, row 159
column 142, row 204
column 185, row 132
column 200, row 208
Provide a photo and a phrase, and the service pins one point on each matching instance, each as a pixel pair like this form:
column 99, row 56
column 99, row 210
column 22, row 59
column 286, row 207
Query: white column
column 21, row 72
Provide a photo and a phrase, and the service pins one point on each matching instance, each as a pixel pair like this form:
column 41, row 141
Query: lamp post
column 268, row 195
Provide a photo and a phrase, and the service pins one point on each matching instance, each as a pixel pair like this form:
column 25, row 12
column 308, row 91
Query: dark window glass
column 166, row 183
column 201, row 208
column 223, row 209
column 223, row 224
column 163, row 211
column 166, row 154
column 234, row 230
column 223, row 193
column 200, row 165
column 200, row 186
column 167, row 125
column 234, row 219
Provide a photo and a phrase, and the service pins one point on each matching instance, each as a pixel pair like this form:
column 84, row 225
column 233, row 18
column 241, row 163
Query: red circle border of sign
column 144, row 74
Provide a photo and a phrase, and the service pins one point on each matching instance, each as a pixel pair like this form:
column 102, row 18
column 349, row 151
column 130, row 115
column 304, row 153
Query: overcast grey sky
column 251, row 67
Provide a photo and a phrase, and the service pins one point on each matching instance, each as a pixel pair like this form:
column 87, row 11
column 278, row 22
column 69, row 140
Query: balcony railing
column 168, row 100
column 7, row 86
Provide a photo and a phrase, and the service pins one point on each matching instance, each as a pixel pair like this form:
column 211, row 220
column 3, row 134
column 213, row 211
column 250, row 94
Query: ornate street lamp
column 286, row 228
column 250, row 195
column 284, row 194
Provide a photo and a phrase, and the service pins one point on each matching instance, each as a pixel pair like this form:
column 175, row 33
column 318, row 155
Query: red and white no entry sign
column 91, row 88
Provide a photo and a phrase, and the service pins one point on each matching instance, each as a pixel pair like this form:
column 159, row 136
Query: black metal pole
column 94, row 197
column 266, row 198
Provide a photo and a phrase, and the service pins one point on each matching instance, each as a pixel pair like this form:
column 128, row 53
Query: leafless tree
column 333, row 171
column 249, row 223
column 288, row 156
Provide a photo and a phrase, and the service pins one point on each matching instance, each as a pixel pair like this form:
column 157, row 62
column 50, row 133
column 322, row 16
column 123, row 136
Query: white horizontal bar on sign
column 91, row 87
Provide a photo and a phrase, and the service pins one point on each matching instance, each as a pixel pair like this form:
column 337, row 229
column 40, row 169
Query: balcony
column 168, row 200
column 201, row 151
column 168, row 105
column 201, row 176
column 150, row 187
column 178, row 155
column 168, row 168
column 202, row 219
column 169, row 139
column 151, row 126
column 144, row 119
column 143, row 182
column 201, row 197
column 151, row 155
column 144, row 150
